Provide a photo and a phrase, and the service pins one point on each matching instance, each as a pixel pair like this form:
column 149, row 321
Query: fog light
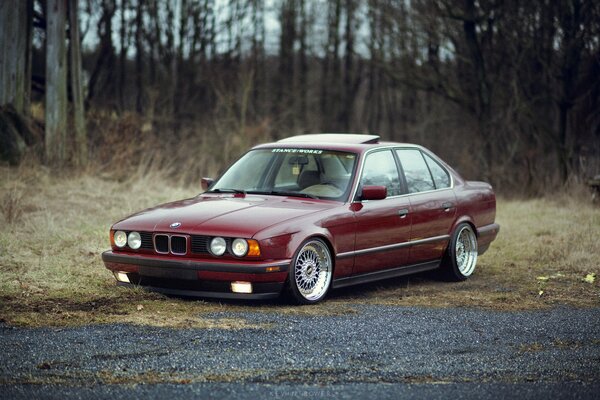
column 241, row 287
column 122, row 276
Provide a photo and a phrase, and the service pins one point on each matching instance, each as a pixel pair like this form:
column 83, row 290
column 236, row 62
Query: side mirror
column 205, row 183
column 373, row 193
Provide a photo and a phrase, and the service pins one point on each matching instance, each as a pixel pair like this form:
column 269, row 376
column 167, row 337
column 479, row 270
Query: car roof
column 333, row 141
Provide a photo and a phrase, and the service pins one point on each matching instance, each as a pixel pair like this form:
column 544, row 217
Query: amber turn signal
column 253, row 248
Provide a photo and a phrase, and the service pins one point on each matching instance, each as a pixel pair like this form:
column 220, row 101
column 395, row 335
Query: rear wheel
column 310, row 272
column 461, row 256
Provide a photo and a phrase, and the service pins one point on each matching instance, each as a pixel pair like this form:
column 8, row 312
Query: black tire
column 311, row 272
column 460, row 259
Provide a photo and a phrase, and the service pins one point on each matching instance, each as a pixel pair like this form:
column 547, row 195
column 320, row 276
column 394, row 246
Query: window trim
column 439, row 165
column 361, row 164
column 355, row 196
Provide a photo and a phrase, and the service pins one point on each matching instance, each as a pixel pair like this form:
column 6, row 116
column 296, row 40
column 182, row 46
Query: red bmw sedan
column 305, row 215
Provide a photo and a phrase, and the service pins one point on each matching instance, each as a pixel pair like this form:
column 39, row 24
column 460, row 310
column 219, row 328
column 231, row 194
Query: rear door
column 383, row 226
column 432, row 204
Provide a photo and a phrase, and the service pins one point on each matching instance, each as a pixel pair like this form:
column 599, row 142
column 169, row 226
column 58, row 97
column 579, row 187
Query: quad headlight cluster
column 133, row 240
column 239, row 247
column 218, row 246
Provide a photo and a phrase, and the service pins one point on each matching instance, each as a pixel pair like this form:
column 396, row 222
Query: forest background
column 507, row 91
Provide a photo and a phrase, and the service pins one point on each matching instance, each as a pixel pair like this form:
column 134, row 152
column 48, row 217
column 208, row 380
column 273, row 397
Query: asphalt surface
column 373, row 352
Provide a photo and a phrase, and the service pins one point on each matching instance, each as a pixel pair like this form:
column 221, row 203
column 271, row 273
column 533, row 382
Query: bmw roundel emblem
column 175, row 225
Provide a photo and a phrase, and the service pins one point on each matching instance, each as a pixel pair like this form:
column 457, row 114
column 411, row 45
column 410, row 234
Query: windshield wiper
column 236, row 191
column 292, row 194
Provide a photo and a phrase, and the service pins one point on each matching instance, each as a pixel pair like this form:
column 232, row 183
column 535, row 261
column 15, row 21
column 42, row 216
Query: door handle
column 403, row 212
column 447, row 206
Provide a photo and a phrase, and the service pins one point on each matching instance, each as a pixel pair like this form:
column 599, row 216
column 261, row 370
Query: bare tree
column 124, row 44
column 139, row 56
column 79, row 128
column 56, row 82
column 14, row 55
column 506, row 85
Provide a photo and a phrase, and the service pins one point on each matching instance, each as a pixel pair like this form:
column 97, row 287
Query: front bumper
column 197, row 278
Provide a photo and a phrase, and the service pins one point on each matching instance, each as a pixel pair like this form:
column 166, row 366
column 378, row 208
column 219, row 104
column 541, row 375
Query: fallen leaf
column 590, row 278
column 541, row 292
column 140, row 307
column 542, row 278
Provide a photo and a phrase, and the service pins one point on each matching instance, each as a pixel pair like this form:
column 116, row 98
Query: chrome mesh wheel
column 466, row 251
column 312, row 270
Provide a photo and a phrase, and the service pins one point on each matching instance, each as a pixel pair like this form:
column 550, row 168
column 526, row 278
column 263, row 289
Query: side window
column 380, row 169
column 440, row 175
column 416, row 172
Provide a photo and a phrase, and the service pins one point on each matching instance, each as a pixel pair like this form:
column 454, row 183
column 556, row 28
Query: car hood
column 222, row 215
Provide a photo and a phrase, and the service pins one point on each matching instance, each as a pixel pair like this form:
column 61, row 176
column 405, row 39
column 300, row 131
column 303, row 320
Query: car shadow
column 352, row 294
column 369, row 290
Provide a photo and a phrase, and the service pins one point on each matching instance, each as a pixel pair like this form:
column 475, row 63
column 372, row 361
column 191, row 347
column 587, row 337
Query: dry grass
column 55, row 227
column 543, row 253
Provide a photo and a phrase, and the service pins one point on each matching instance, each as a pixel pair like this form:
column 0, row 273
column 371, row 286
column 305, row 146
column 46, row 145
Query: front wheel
column 310, row 272
column 461, row 257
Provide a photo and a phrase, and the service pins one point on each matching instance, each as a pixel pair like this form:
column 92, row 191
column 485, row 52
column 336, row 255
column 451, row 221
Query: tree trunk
column 14, row 81
column 28, row 55
column 285, row 101
column 335, row 27
column 258, row 56
column 178, row 68
column 303, row 78
column 330, row 66
column 139, row 53
column 123, row 56
column 571, row 45
column 482, row 85
column 81, row 147
column 56, row 82
column 105, row 62
column 347, row 102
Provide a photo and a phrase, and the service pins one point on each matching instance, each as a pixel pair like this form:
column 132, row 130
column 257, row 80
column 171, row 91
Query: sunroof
column 349, row 138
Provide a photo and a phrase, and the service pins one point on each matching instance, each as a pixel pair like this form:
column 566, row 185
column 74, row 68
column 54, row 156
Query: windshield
column 290, row 172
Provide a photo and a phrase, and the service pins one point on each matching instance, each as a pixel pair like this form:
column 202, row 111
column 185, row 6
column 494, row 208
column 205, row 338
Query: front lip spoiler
column 258, row 268
column 203, row 294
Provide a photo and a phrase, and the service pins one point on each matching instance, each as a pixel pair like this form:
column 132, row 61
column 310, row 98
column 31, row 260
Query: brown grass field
column 54, row 229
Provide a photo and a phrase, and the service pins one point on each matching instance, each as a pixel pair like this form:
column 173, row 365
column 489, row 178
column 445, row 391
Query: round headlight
column 134, row 240
column 120, row 239
column 218, row 246
column 239, row 247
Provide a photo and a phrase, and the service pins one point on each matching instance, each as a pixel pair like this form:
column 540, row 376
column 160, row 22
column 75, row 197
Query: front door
column 383, row 226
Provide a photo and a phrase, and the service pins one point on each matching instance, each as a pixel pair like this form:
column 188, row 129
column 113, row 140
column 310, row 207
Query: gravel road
column 370, row 352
